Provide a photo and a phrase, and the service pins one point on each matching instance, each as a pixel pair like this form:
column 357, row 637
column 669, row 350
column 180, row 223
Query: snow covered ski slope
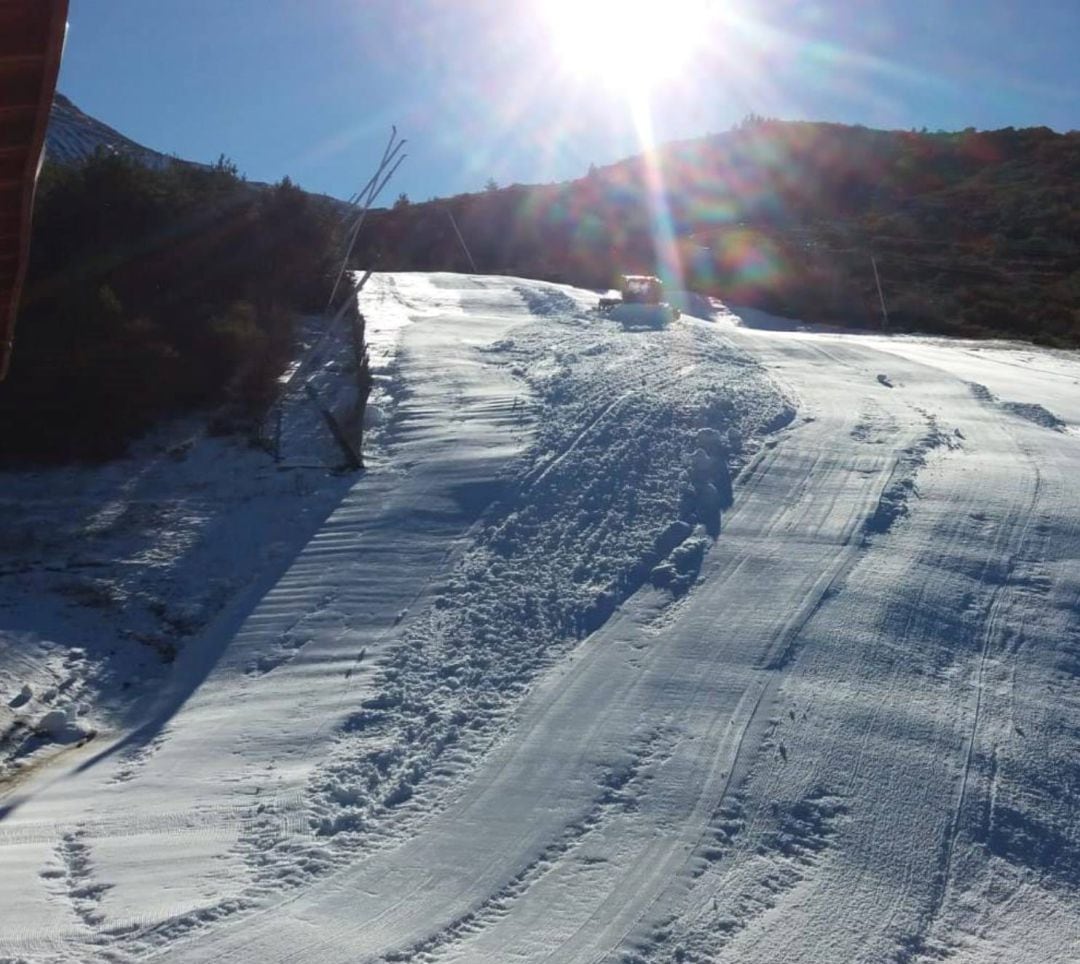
column 701, row 644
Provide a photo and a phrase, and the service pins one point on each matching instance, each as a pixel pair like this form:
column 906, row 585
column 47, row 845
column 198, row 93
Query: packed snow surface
column 707, row 642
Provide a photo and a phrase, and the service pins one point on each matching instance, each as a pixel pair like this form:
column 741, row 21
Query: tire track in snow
column 943, row 543
column 402, row 903
column 946, row 547
column 677, row 860
column 840, row 569
column 784, row 650
column 620, row 789
column 992, row 636
column 224, row 820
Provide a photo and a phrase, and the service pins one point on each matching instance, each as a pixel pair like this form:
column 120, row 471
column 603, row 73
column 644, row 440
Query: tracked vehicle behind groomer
column 640, row 303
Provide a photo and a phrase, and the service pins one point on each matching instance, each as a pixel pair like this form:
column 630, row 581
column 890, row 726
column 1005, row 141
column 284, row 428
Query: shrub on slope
column 154, row 293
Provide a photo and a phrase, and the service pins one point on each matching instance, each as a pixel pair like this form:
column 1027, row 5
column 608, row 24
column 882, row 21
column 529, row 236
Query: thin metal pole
column 364, row 280
column 457, row 231
column 366, row 198
column 367, row 195
column 357, row 198
column 354, row 232
column 881, row 295
column 355, row 229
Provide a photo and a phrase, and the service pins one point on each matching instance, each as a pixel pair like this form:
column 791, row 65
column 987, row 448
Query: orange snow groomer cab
column 31, row 41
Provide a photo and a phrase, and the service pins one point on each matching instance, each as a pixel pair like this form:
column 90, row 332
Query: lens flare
column 627, row 45
column 631, row 50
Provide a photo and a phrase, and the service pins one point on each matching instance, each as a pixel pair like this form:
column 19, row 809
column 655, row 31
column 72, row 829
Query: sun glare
column 629, row 45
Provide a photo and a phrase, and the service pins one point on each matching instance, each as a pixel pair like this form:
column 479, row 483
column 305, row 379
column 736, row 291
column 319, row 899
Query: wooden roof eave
column 32, row 48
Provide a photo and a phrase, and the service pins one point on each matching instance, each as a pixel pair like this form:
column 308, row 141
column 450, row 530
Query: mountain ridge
column 74, row 135
column 973, row 233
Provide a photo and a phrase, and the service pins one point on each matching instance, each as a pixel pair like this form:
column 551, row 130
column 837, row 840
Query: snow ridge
column 580, row 524
column 1032, row 411
column 901, row 489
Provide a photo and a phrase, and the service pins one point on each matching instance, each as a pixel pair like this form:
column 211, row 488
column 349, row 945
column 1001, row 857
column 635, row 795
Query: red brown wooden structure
column 31, row 42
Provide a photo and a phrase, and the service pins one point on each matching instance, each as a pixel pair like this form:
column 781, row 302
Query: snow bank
column 635, row 438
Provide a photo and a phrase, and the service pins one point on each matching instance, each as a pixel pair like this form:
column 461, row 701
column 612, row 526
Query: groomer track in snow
column 702, row 644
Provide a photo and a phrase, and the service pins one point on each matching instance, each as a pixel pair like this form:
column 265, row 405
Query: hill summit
column 73, row 136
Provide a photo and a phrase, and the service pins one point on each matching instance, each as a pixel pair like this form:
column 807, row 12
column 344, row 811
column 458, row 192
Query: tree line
column 975, row 233
column 156, row 292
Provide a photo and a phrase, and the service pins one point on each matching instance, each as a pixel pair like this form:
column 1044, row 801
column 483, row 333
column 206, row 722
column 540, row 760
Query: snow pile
column 54, row 692
column 692, row 303
column 635, row 437
column 895, row 501
column 1032, row 411
column 62, row 726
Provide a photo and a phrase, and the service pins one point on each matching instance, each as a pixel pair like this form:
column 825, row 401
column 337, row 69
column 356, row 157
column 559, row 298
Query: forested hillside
column 974, row 233
column 154, row 291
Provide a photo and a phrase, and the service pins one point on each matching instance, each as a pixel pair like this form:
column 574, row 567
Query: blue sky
column 485, row 89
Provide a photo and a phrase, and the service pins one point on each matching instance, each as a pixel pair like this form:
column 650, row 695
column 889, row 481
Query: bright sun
column 630, row 45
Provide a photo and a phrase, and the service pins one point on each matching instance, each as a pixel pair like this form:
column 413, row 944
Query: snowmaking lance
column 639, row 303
